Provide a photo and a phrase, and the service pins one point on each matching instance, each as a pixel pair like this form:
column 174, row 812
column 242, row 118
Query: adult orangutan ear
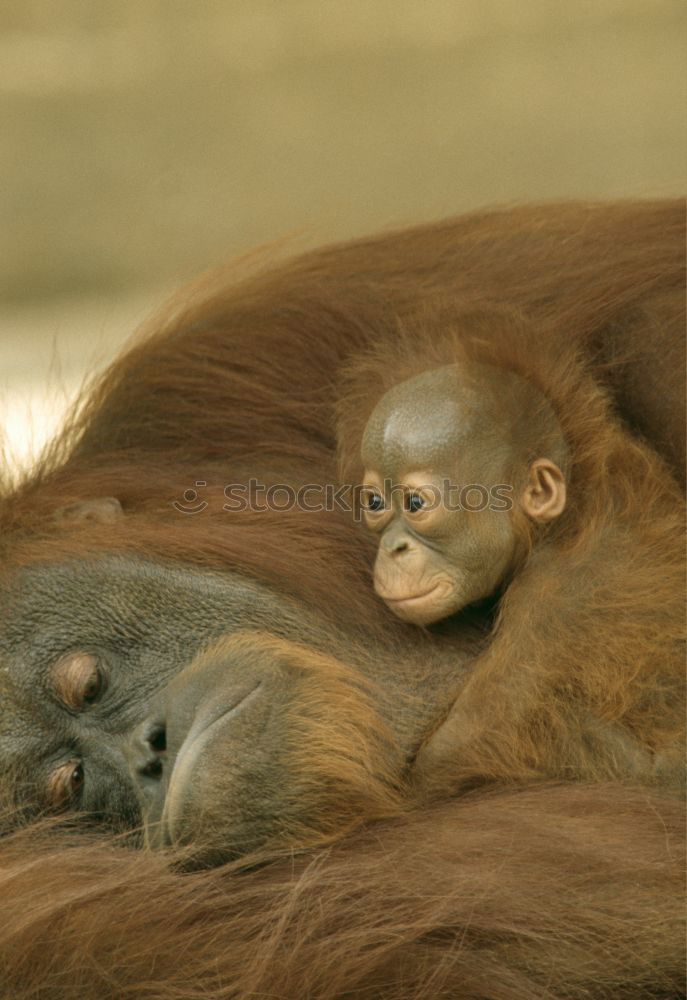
column 103, row 510
column 545, row 494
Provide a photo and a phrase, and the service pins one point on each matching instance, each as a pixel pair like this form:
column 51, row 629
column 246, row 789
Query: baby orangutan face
column 444, row 473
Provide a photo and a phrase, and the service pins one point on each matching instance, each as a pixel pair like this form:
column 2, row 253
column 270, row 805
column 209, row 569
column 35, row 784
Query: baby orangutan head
column 451, row 456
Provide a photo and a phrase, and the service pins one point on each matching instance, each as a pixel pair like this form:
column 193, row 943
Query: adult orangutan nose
column 146, row 750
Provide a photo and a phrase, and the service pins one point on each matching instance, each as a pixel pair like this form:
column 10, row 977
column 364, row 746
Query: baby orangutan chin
column 444, row 465
column 489, row 480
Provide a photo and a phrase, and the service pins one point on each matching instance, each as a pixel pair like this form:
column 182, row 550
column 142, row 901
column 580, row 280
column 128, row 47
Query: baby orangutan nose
column 394, row 543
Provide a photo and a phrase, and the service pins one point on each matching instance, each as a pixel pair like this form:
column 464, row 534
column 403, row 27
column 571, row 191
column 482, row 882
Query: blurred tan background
column 145, row 140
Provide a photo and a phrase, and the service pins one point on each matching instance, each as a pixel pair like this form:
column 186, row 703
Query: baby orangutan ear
column 545, row 493
column 103, row 510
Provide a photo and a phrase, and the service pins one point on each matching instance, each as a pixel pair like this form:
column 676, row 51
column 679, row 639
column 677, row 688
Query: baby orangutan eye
column 65, row 785
column 373, row 502
column 77, row 680
column 414, row 502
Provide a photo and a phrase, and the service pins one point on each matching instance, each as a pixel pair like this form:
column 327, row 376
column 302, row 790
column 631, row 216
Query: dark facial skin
column 428, row 437
column 85, row 646
column 221, row 714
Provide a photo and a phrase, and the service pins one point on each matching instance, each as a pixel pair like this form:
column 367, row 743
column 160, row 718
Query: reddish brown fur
column 551, row 892
column 556, row 892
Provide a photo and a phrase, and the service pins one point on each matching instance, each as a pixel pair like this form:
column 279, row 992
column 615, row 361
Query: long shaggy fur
column 556, row 892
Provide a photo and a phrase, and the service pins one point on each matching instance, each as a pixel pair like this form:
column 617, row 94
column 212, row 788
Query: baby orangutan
column 492, row 471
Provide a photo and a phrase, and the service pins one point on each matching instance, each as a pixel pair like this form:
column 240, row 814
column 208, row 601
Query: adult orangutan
column 108, row 591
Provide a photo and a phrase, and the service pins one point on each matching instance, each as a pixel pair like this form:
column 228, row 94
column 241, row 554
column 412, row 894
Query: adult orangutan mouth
column 197, row 733
column 185, row 765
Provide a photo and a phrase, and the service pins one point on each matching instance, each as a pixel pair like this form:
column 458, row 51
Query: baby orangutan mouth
column 406, row 600
column 422, row 608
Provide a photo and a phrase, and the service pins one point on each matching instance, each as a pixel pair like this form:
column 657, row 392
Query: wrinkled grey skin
column 146, row 622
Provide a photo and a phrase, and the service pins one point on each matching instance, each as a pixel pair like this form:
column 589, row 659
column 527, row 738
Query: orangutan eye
column 65, row 785
column 373, row 502
column 78, row 680
column 414, row 503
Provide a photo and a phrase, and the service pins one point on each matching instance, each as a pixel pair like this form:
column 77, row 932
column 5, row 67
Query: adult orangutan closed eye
column 590, row 585
column 107, row 592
